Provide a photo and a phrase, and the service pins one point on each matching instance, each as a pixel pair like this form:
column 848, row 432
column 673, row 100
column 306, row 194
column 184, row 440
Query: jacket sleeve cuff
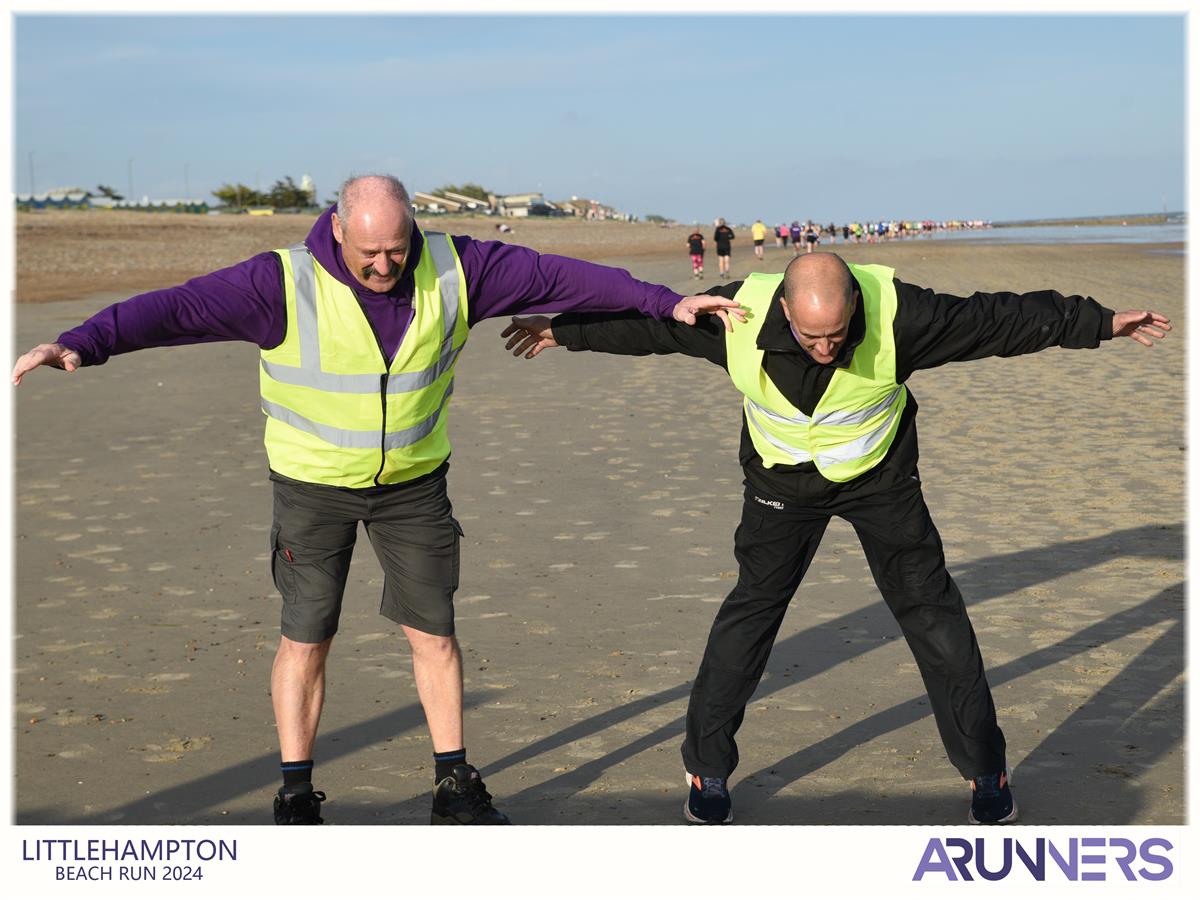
column 665, row 303
column 86, row 356
column 568, row 332
column 1106, row 323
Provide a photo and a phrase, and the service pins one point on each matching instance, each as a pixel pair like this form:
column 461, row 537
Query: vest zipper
column 383, row 381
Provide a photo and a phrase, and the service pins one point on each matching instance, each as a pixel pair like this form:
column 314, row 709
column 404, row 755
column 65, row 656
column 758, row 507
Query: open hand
column 688, row 308
column 529, row 335
column 55, row 355
column 1143, row 325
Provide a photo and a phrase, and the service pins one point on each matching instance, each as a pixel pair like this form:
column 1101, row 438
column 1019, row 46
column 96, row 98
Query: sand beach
column 599, row 497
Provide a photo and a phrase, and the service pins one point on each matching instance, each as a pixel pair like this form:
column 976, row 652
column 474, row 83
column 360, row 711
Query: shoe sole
column 694, row 820
column 1007, row 820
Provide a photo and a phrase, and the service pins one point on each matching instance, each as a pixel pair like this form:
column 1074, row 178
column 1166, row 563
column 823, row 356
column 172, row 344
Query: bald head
column 819, row 299
column 371, row 191
column 373, row 223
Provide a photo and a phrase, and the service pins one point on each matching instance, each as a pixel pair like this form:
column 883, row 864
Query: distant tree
column 239, row 196
column 106, row 191
column 467, row 190
column 656, row 219
column 286, row 194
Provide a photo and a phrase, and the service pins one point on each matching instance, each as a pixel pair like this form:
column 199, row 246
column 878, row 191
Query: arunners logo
column 962, row 859
column 774, row 504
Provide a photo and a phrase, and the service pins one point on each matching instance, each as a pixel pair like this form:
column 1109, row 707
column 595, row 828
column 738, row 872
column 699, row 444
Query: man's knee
column 431, row 646
column 942, row 639
column 301, row 650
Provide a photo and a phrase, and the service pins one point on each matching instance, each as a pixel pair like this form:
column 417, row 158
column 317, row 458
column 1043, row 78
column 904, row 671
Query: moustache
column 392, row 272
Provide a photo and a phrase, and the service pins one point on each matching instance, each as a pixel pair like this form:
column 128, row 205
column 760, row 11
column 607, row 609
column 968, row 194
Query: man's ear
column 337, row 227
column 786, row 313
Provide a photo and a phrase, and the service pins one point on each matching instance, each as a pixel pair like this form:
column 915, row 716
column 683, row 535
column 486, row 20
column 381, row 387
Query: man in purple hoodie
column 359, row 329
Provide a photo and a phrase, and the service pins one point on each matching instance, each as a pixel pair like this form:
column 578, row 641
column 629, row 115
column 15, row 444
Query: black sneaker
column 460, row 799
column 298, row 805
column 992, row 801
column 708, row 801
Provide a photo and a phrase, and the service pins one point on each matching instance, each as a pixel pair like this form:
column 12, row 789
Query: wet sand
column 599, row 497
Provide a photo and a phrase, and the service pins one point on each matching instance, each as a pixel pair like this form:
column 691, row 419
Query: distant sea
column 1071, row 234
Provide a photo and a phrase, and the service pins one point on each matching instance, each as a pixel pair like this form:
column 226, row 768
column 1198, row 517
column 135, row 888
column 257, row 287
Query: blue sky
column 769, row 116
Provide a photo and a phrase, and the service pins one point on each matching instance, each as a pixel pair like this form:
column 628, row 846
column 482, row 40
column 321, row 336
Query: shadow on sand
column 1097, row 751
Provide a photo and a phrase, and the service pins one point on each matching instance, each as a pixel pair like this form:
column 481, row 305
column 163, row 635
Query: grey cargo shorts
column 411, row 528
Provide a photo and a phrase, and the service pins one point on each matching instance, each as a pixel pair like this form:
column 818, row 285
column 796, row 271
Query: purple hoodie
column 245, row 302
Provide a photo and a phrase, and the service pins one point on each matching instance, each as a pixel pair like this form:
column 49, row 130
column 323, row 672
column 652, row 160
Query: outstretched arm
column 240, row 303
column 933, row 329
column 628, row 334
column 505, row 279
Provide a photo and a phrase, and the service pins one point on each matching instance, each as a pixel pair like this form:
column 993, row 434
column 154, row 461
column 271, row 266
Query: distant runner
column 758, row 233
column 722, row 236
column 695, row 242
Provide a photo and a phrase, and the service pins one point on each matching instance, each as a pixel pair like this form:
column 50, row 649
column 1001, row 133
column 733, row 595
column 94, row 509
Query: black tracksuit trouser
column 774, row 546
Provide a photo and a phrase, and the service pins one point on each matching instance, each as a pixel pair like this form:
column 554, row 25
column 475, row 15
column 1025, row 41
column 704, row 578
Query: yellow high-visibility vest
column 856, row 419
column 338, row 412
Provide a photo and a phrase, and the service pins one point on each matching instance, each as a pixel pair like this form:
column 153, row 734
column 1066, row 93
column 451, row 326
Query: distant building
column 471, row 204
column 449, row 202
column 582, row 207
column 431, row 203
column 574, row 207
column 518, row 206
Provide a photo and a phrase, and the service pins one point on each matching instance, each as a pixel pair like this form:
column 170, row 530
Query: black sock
column 298, row 772
column 444, row 763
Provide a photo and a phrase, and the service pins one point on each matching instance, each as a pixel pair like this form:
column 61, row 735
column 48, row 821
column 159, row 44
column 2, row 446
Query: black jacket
column 930, row 330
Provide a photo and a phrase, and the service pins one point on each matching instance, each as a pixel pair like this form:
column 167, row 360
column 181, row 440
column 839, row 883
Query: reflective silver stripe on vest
column 412, row 381
column 339, row 437
column 752, row 409
column 860, row 447
column 304, row 280
column 359, row 440
column 853, row 417
column 800, row 419
column 443, row 261
column 310, row 374
column 414, row 433
column 322, row 381
column 857, row 417
column 843, row 453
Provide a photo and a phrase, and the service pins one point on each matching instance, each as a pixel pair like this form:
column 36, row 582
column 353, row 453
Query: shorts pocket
column 281, row 569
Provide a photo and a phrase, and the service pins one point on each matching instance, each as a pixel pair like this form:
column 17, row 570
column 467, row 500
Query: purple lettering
column 1166, row 866
column 934, row 849
column 961, row 862
column 1124, row 861
column 1036, row 867
column 1092, row 859
column 982, row 867
column 1069, row 866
